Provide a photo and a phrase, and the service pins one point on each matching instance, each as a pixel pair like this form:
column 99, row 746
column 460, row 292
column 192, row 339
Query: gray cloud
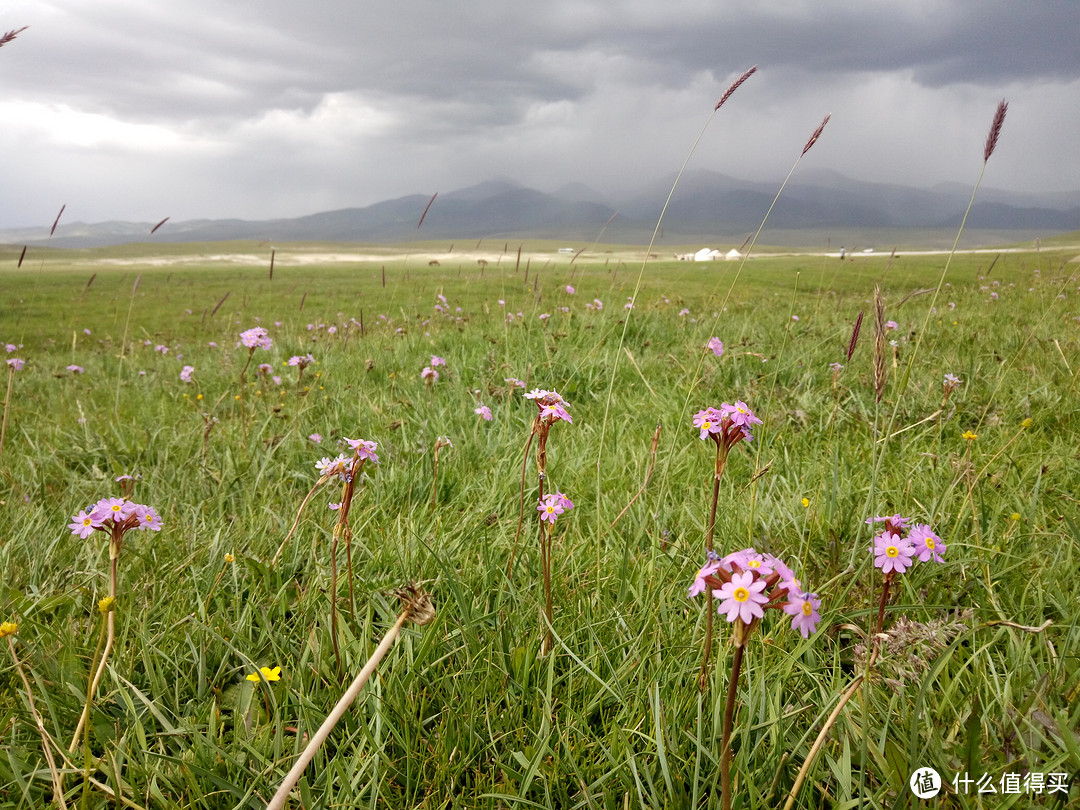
column 126, row 109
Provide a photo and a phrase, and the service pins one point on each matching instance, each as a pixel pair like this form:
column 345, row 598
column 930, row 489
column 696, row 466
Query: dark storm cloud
column 282, row 107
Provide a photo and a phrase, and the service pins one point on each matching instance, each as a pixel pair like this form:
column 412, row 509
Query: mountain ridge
column 705, row 205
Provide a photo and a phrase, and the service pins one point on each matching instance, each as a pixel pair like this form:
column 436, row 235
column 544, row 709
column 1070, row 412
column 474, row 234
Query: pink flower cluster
column 895, row 554
column 715, row 346
column 429, row 375
column 728, row 424
column 255, row 338
column 115, row 516
column 748, row 583
column 345, row 467
column 552, row 406
column 303, row 361
column 553, row 505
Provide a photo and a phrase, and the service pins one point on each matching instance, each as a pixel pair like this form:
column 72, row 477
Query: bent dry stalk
column 418, row 608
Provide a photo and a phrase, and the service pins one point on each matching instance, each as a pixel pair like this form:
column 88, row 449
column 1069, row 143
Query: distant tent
column 706, row 255
column 732, row 255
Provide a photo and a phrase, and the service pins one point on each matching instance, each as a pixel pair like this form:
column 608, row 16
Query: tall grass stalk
column 637, row 287
column 123, row 342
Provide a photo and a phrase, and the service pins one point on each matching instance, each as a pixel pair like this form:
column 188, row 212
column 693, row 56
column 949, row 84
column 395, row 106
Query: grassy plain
column 465, row 712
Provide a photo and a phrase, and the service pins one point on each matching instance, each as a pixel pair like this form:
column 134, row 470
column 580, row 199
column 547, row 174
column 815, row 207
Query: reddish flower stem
column 725, row 740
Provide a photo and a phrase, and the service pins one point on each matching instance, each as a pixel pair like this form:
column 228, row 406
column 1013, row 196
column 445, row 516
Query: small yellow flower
column 1014, row 516
column 1026, row 423
column 198, row 397
column 969, row 435
column 185, row 396
column 8, row 629
column 106, row 604
column 805, row 502
column 270, row 674
column 258, row 393
column 237, row 397
column 230, row 558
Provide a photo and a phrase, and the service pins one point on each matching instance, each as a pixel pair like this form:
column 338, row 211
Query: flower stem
column 880, row 622
column 7, row 401
column 110, row 635
column 725, row 740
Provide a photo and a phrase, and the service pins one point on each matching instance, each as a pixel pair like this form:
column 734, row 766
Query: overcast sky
column 137, row 110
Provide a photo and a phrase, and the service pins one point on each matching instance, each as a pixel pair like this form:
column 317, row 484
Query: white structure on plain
column 709, row 255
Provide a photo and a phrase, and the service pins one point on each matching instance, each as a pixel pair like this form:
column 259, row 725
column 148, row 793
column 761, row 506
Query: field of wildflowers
column 214, row 480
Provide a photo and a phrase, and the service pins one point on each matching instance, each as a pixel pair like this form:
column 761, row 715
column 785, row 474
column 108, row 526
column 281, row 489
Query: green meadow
column 977, row 676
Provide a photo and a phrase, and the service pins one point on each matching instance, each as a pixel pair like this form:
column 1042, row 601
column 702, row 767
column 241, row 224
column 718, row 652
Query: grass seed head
column 995, row 130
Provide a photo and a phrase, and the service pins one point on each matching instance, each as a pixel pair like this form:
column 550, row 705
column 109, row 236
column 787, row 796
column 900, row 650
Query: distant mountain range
column 707, row 207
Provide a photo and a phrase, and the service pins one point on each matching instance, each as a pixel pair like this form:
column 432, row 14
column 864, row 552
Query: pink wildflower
column 803, row 609
column 706, row 570
column 255, row 338
column 891, row 553
column 484, row 412
column 715, row 346
column 550, row 507
column 742, row 598
column 927, row 544
column 148, row 518
column 84, row 523
column 365, row 448
column 707, row 421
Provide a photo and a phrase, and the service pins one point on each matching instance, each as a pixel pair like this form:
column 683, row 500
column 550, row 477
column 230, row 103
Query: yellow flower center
column 740, row 594
column 87, row 521
column 929, row 542
column 753, row 564
column 892, row 551
column 807, row 608
column 549, row 509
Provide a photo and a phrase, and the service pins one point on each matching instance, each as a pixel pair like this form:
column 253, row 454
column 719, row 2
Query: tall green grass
column 465, row 712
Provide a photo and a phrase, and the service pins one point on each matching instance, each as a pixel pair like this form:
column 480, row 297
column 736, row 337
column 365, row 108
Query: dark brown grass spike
column 995, row 130
column 426, row 209
column 10, row 35
column 734, row 86
column 56, row 221
column 21, row 257
column 879, row 344
column 816, row 135
column 154, row 229
column 213, row 312
column 854, row 337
